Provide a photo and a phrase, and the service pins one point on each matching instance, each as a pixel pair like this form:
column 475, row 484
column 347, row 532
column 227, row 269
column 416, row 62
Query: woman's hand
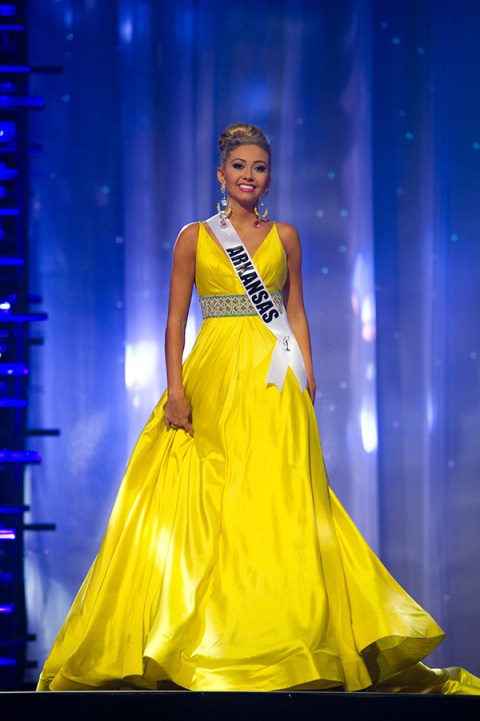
column 178, row 413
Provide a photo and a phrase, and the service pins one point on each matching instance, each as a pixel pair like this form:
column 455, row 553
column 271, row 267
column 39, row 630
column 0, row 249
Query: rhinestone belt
column 224, row 306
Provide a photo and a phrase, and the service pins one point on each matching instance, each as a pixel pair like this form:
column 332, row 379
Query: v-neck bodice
column 216, row 276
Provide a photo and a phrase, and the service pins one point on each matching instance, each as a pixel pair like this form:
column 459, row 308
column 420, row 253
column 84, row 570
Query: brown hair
column 241, row 134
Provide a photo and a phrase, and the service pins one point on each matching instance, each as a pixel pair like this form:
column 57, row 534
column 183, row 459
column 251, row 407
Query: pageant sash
column 286, row 351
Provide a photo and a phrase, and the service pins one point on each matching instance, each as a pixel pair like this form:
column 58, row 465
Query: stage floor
column 278, row 706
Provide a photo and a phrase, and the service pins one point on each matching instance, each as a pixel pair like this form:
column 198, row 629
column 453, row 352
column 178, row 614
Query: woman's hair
column 241, row 134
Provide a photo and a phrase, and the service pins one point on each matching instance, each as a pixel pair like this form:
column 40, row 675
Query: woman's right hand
column 178, row 413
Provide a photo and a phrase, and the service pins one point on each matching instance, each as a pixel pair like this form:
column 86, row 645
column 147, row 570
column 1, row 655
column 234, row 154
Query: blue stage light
column 8, row 133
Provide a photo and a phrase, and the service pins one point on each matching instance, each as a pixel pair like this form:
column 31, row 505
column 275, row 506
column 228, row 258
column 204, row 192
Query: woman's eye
column 238, row 166
column 260, row 168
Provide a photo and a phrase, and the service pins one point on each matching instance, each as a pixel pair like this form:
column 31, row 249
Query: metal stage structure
column 19, row 321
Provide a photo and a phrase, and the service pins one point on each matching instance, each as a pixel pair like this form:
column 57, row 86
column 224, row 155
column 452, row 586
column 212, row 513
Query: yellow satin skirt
column 228, row 562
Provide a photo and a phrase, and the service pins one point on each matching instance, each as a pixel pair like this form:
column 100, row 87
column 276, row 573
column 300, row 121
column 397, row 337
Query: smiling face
column 246, row 174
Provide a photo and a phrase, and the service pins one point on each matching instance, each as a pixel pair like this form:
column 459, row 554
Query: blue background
column 373, row 111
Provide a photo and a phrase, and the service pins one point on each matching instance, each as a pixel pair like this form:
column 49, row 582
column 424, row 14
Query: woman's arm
column 178, row 411
column 293, row 299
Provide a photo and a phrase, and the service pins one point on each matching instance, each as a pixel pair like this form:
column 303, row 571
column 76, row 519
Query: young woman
column 228, row 563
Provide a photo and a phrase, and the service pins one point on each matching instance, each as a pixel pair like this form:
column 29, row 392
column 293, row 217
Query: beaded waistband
column 224, row 306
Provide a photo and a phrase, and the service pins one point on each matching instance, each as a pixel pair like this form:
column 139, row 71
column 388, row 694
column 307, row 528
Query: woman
column 228, row 563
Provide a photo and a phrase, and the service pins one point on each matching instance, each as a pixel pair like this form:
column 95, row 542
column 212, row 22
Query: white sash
column 286, row 351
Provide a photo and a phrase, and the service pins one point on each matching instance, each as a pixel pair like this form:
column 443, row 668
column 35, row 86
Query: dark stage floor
column 321, row 706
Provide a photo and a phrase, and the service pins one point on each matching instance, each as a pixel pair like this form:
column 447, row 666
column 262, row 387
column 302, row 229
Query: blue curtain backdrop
column 374, row 118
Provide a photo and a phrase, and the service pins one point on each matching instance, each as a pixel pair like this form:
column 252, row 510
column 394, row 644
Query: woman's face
column 246, row 174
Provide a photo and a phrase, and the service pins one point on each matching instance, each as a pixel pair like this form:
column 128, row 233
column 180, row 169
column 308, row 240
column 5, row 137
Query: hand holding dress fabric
column 178, row 413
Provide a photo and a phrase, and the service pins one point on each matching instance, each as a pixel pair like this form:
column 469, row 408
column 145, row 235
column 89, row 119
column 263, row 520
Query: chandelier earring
column 261, row 211
column 224, row 207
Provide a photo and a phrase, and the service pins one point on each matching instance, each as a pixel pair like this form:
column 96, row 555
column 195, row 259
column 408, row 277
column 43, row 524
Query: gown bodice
column 214, row 272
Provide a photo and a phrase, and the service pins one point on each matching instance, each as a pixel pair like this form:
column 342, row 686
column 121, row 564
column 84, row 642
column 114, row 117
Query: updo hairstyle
column 241, row 134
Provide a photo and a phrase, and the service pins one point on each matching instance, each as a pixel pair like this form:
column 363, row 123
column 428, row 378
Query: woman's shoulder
column 188, row 235
column 186, row 241
column 190, row 230
column 286, row 229
column 288, row 234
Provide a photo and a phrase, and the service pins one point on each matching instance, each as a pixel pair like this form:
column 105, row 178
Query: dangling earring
column 224, row 207
column 261, row 212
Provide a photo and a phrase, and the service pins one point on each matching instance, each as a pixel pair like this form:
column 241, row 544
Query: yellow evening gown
column 228, row 563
